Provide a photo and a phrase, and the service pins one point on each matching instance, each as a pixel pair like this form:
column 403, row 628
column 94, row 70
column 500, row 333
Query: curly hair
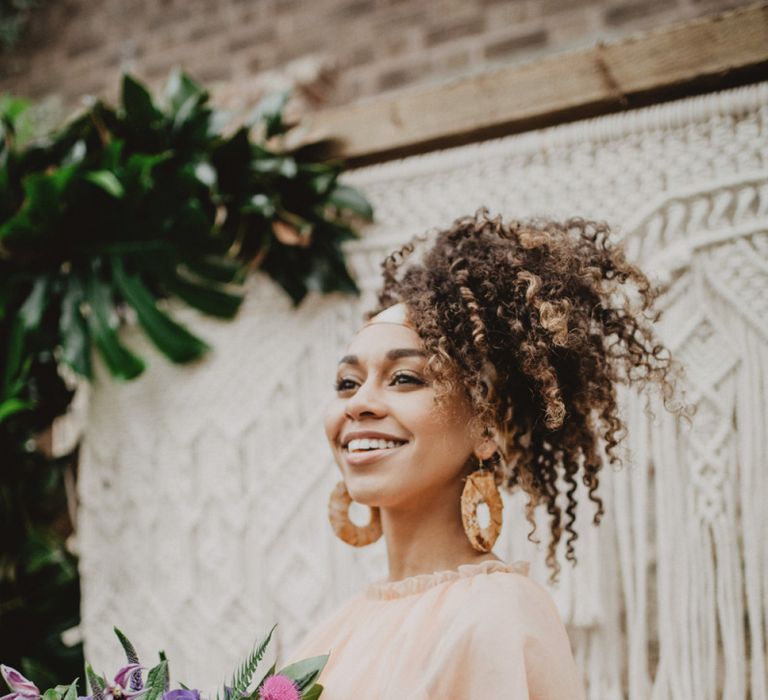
column 536, row 321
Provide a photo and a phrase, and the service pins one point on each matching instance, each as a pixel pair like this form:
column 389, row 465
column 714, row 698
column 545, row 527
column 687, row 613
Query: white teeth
column 371, row 444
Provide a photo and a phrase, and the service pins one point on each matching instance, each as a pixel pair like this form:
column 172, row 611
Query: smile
column 371, row 444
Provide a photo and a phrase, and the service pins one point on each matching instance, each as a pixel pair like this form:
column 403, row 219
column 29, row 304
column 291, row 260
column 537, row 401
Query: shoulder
column 516, row 619
column 500, row 597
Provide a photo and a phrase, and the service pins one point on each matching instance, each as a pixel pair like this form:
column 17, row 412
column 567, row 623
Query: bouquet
column 294, row 682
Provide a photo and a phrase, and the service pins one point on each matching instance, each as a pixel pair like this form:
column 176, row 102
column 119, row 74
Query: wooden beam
column 711, row 53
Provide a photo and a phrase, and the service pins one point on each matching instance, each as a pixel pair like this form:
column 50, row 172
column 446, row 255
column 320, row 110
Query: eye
column 405, row 378
column 344, row 384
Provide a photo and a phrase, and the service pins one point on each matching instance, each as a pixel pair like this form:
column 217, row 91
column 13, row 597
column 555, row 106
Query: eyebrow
column 394, row 354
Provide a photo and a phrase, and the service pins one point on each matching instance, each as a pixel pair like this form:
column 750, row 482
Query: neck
column 428, row 536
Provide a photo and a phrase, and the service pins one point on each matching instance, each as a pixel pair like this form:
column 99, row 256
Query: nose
column 366, row 402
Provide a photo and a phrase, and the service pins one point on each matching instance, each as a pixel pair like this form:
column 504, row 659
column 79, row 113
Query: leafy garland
column 100, row 223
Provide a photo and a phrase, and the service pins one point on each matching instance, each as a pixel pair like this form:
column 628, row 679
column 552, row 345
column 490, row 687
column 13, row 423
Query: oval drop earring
column 345, row 529
column 480, row 487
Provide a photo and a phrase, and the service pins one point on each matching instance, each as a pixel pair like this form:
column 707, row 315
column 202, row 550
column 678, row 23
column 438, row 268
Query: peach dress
column 483, row 631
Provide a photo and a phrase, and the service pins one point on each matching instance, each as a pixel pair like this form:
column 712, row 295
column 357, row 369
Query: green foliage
column 128, row 648
column 111, row 218
column 304, row 673
column 157, row 681
column 124, row 207
column 244, row 675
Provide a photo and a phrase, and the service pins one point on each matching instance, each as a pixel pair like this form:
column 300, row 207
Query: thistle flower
column 21, row 688
column 279, row 687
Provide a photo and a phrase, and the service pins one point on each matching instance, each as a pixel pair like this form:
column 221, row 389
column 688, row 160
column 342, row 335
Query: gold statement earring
column 345, row 529
column 480, row 487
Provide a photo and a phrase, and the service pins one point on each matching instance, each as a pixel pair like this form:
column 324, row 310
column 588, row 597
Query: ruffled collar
column 387, row 590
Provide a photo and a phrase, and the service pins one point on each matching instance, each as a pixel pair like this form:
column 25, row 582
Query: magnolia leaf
column 269, row 111
column 304, row 672
column 15, row 364
column 31, row 311
column 206, row 298
column 171, row 338
column 76, row 154
column 9, row 407
column 73, row 330
column 137, row 173
column 349, row 198
column 312, row 693
column 52, row 694
column 180, row 91
column 140, row 111
column 285, row 166
column 107, row 181
column 216, row 268
column 120, row 361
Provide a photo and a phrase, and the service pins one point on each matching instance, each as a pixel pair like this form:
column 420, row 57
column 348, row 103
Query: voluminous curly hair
column 536, row 321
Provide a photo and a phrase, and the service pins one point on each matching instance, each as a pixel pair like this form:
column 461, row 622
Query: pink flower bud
column 279, row 688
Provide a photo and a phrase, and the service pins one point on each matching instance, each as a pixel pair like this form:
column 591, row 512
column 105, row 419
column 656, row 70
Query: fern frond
column 244, row 675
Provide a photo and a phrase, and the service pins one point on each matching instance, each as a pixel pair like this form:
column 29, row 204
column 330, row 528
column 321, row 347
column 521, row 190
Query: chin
column 365, row 491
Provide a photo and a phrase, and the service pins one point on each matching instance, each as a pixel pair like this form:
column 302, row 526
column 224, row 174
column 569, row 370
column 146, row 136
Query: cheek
column 450, row 427
column 334, row 416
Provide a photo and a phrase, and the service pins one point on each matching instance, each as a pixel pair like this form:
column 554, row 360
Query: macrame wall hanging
column 203, row 489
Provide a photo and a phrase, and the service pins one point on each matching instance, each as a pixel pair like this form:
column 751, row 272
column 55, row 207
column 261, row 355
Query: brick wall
column 336, row 51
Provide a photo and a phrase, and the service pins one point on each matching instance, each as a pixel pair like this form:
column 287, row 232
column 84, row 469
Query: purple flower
column 182, row 694
column 21, row 688
column 118, row 689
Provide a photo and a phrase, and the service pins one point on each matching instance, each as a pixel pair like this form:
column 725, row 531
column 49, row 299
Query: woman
column 493, row 361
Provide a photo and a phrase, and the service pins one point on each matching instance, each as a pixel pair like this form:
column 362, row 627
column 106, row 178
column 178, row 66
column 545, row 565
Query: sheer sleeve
column 513, row 645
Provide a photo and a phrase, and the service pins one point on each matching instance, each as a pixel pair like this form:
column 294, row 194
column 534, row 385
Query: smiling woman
column 492, row 362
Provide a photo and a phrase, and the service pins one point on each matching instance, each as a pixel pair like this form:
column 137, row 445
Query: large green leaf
column 120, row 361
column 9, row 407
column 31, row 311
column 140, row 110
column 313, row 692
column 41, row 206
column 216, row 268
column 137, row 171
column 16, row 367
column 304, row 673
column 107, row 181
column 73, row 329
column 180, row 89
column 350, row 199
column 171, row 338
column 269, row 111
column 205, row 297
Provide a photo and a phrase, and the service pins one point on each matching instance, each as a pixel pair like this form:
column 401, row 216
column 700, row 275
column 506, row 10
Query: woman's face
column 396, row 447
